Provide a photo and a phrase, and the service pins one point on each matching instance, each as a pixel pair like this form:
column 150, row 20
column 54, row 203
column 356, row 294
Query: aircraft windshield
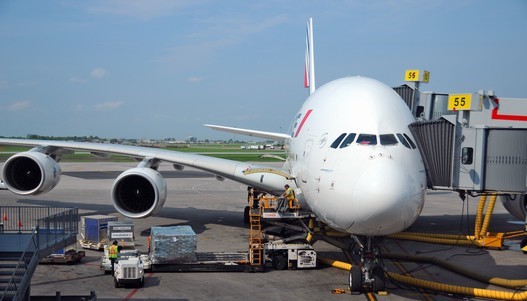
column 336, row 143
column 349, row 139
column 388, row 139
column 367, row 139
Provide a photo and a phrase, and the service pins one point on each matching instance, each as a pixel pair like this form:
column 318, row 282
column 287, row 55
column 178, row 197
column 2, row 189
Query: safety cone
column 5, row 217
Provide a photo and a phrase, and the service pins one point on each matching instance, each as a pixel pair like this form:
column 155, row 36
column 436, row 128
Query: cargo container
column 94, row 231
column 122, row 232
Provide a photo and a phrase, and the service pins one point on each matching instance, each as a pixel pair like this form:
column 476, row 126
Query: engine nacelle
column 139, row 192
column 516, row 204
column 31, row 173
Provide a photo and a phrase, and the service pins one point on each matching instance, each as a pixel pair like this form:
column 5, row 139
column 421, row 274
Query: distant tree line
column 66, row 138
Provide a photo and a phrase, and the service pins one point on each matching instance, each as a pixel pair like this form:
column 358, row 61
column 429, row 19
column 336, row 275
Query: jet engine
column 139, row 192
column 31, row 173
column 516, row 204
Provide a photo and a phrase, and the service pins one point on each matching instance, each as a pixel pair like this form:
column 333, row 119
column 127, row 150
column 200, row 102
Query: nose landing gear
column 367, row 272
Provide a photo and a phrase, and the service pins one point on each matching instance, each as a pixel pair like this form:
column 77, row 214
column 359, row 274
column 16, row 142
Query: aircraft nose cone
column 387, row 194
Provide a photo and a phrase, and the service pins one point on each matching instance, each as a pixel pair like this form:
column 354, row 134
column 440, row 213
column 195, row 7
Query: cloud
column 78, row 108
column 140, row 9
column 195, row 79
column 77, row 80
column 19, row 106
column 98, row 73
column 111, row 105
column 216, row 34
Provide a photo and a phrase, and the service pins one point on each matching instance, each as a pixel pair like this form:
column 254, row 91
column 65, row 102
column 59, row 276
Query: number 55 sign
column 459, row 102
column 417, row 76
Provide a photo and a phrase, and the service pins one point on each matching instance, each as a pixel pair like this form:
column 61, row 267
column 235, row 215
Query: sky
column 160, row 68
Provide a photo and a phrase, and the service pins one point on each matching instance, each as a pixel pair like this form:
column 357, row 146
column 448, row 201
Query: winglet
column 309, row 68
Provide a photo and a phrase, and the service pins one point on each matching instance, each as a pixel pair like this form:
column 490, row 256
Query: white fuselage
column 372, row 181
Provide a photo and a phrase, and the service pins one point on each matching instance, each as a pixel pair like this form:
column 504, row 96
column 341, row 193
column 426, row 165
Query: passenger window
column 336, row 143
column 410, row 141
column 349, row 140
column 367, row 139
column 403, row 140
column 467, row 155
column 388, row 139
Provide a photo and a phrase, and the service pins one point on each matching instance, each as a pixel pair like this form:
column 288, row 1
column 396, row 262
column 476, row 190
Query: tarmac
column 214, row 209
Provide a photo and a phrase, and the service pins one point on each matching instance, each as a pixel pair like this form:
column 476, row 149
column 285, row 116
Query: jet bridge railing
column 23, row 219
column 55, row 227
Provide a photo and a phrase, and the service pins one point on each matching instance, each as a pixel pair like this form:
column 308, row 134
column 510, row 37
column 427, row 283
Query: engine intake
column 516, row 204
column 31, row 173
column 139, row 192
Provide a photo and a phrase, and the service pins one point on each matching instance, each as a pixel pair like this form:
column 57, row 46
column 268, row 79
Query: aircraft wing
column 253, row 133
column 222, row 168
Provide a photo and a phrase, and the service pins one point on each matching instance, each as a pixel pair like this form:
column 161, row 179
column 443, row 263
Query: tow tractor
column 129, row 271
column 125, row 254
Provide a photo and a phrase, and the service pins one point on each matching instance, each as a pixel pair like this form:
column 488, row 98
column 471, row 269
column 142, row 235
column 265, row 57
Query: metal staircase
column 28, row 234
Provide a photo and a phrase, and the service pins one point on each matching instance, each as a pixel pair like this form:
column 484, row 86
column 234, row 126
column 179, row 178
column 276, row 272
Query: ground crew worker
column 113, row 253
column 289, row 194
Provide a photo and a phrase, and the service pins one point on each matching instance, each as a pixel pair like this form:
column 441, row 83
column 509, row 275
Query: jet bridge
column 479, row 142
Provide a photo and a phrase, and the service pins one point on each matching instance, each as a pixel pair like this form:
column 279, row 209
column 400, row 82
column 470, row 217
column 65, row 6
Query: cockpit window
column 349, row 139
column 367, row 139
column 337, row 141
column 388, row 139
column 403, row 140
column 410, row 141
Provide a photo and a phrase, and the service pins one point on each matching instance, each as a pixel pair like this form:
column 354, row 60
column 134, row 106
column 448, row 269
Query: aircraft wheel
column 246, row 218
column 379, row 279
column 279, row 262
column 355, row 279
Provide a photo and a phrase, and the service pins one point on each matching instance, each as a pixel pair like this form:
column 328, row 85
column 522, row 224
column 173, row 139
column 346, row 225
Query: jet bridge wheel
column 355, row 279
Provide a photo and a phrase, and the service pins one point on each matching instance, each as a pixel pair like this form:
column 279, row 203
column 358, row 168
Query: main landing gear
column 367, row 272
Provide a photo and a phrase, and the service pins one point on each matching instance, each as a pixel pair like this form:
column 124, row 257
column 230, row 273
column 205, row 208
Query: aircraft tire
column 355, row 280
column 379, row 279
column 246, row 218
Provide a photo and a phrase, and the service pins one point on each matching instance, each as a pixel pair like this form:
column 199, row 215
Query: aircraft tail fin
column 309, row 68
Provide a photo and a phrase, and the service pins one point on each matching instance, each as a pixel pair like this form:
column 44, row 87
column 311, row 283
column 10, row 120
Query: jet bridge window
column 388, row 139
column 410, row 141
column 337, row 141
column 367, row 139
column 349, row 139
column 403, row 140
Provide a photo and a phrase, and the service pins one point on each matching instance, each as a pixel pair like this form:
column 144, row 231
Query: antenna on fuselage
column 309, row 69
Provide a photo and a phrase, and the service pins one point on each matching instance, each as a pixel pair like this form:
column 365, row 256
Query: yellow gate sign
column 415, row 75
column 459, row 102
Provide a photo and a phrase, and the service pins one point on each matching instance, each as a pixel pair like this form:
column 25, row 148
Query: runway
column 214, row 209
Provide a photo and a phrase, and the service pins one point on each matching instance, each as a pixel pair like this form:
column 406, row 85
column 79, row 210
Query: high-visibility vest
column 290, row 193
column 112, row 252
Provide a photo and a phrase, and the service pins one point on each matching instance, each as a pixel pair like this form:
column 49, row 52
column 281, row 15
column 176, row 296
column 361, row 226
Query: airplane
column 351, row 158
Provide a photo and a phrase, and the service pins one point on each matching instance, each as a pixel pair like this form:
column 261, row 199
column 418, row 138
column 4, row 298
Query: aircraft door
column 306, row 172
